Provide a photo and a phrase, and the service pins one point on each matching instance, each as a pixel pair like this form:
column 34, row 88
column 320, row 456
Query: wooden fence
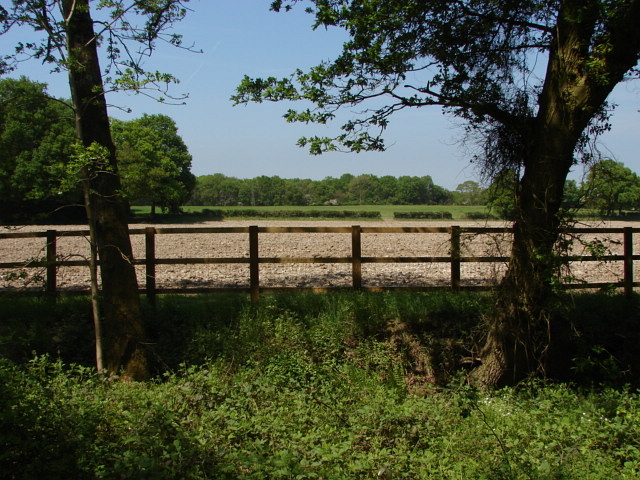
column 51, row 262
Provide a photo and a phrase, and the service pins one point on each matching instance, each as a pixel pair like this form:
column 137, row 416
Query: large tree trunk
column 577, row 83
column 522, row 329
column 123, row 332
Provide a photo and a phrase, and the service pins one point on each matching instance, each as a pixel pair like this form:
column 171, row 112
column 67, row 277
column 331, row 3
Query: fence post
column 455, row 258
column 356, row 256
column 628, row 261
column 150, row 263
column 51, row 262
column 254, row 264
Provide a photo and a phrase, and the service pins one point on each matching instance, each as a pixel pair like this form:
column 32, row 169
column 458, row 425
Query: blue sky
column 241, row 37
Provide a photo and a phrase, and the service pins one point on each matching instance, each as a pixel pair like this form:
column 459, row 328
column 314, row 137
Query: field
column 309, row 245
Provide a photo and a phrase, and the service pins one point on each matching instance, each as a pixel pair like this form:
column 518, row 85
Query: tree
column 480, row 61
column 363, row 189
column 216, row 189
column 612, row 187
column 71, row 43
column 470, row 193
column 36, row 133
column 413, row 190
column 154, row 162
column 572, row 194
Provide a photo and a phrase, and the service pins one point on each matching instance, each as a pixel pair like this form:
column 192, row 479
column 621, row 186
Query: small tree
column 470, row 193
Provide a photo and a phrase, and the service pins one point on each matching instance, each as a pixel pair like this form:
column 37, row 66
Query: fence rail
column 52, row 262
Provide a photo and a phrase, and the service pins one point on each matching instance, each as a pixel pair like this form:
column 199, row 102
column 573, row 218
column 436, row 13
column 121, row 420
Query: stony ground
column 236, row 245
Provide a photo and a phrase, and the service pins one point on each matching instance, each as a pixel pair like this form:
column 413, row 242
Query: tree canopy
column 154, row 162
column 36, row 134
column 480, row 61
column 611, row 187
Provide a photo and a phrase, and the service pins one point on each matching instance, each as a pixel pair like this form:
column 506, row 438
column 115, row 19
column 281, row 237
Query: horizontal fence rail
column 52, row 262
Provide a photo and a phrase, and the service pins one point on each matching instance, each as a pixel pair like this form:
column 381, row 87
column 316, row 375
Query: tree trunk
column 522, row 328
column 577, row 84
column 123, row 332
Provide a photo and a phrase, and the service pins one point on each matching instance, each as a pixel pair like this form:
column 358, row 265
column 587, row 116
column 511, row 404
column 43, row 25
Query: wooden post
column 455, row 258
column 51, row 262
column 628, row 261
column 150, row 263
column 254, row 264
column 356, row 256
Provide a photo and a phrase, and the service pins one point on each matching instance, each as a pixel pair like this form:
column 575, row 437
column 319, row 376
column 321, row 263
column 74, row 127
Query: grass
column 305, row 386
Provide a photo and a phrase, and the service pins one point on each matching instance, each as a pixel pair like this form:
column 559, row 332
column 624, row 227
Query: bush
column 314, row 386
column 252, row 213
column 289, row 417
column 480, row 216
column 423, row 215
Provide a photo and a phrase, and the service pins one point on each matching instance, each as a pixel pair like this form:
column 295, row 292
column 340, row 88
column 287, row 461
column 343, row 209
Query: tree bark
column 523, row 330
column 123, row 333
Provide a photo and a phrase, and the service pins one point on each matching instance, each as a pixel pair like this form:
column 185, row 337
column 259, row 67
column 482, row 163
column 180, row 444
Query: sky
column 242, row 37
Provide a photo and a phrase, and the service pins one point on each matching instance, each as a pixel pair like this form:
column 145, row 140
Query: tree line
column 37, row 136
column 38, row 139
column 348, row 189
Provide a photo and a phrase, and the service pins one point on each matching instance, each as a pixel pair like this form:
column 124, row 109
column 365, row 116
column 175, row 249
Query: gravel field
column 236, row 245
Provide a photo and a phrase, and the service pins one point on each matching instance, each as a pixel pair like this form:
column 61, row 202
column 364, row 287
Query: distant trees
column 348, row 189
column 611, row 188
column 154, row 162
column 469, row 193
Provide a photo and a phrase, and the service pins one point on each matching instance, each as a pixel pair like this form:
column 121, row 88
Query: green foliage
column 36, row 134
column 131, row 32
column 300, row 213
column 470, row 193
column 423, row 215
column 153, row 161
column 288, row 418
column 611, row 187
column 366, row 189
column 305, row 386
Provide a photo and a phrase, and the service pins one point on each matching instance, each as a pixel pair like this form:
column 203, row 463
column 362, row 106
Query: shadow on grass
column 430, row 336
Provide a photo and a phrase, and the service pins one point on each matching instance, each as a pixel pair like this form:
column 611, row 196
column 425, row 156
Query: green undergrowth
column 335, row 386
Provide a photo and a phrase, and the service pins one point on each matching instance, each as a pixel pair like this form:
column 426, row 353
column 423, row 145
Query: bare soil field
column 236, row 245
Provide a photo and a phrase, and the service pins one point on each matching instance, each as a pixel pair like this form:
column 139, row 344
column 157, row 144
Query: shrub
column 423, row 215
column 480, row 216
column 288, row 416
